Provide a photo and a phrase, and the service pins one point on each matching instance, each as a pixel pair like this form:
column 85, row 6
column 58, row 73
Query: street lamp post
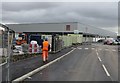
column 86, row 34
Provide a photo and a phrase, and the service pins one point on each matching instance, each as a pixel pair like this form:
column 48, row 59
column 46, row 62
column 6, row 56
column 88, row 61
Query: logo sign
column 76, row 31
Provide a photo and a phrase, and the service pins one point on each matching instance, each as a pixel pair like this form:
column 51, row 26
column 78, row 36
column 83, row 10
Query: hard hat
column 46, row 39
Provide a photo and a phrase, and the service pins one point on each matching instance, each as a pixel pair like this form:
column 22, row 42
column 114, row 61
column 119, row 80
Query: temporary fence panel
column 83, row 39
column 49, row 37
column 65, row 41
column 54, row 42
column 74, row 38
column 61, row 43
column 71, row 37
column 79, row 38
column 69, row 41
column 89, row 39
column 25, row 47
column 58, row 44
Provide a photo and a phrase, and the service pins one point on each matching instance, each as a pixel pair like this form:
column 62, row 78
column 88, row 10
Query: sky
column 97, row 13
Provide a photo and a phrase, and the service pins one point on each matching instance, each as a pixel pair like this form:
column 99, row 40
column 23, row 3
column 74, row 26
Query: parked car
column 112, row 42
column 115, row 42
column 101, row 40
column 108, row 42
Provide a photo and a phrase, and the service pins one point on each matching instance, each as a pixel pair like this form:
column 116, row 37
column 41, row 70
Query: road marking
column 114, row 50
column 72, row 47
column 98, row 56
column 80, row 48
column 105, row 70
column 40, row 68
column 99, row 59
column 29, row 77
column 97, row 53
column 106, row 49
column 3, row 63
column 100, row 49
column 86, row 48
column 93, row 48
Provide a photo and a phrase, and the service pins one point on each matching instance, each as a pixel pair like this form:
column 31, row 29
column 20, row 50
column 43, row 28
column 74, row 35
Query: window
column 67, row 27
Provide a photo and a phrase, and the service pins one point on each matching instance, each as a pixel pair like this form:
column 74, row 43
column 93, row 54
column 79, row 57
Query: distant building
column 88, row 32
column 62, row 27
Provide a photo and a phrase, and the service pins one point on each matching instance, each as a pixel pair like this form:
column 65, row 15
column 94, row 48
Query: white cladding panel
column 42, row 27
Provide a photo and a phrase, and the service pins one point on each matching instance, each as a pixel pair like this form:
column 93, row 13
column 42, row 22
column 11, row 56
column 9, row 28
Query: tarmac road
column 94, row 62
column 85, row 63
column 22, row 67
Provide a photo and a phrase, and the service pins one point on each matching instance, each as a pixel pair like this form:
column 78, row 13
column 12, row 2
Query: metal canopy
column 60, row 27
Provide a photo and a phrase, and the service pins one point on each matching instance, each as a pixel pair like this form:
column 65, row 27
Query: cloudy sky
column 99, row 14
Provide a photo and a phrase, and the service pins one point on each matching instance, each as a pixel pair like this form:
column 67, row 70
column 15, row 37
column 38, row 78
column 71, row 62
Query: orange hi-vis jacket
column 45, row 46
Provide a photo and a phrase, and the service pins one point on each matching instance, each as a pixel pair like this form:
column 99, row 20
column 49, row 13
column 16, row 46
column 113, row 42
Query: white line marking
column 79, row 48
column 106, row 49
column 105, row 70
column 29, row 77
column 3, row 63
column 93, row 48
column 99, row 59
column 40, row 68
column 97, row 53
column 98, row 56
column 72, row 47
column 100, row 49
column 86, row 48
column 114, row 50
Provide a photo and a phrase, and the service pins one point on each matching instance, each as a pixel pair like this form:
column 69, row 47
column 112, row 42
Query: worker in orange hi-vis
column 45, row 49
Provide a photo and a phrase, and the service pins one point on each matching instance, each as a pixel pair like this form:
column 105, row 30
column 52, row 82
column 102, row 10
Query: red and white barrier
column 33, row 48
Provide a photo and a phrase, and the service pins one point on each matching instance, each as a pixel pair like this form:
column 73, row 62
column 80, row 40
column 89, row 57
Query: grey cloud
column 20, row 6
column 96, row 14
column 95, row 10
